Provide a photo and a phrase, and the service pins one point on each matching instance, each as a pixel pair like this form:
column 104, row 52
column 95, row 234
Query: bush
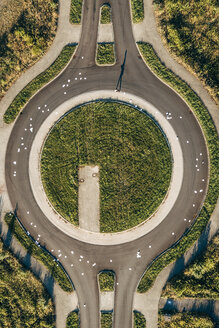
column 73, row 320
column 76, row 11
column 106, row 281
column 190, row 30
column 105, row 14
column 199, row 279
column 27, row 29
column 137, row 7
column 24, row 302
column 105, row 54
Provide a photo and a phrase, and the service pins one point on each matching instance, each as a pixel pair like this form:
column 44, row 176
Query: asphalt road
column 137, row 80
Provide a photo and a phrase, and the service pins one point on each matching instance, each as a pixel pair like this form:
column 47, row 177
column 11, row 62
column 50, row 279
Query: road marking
column 149, row 246
column 173, row 233
column 72, row 252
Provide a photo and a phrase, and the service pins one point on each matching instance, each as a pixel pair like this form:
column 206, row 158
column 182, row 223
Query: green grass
column 24, row 302
column 73, row 320
column 137, row 7
column 76, row 11
column 106, row 320
column 190, row 30
column 184, row 320
column 27, row 29
column 211, row 136
column 106, row 281
column 139, row 320
column 24, row 96
column 200, row 279
column 105, row 54
column 132, row 154
column 38, row 253
column 105, row 15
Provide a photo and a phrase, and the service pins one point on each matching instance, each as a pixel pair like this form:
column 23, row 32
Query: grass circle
column 132, row 154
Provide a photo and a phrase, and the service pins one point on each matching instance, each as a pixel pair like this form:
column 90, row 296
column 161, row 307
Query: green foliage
column 190, row 29
column 183, row 320
column 38, row 253
column 29, row 29
column 105, row 17
column 105, row 54
column 24, row 96
column 200, row 279
column 76, row 11
column 73, row 320
column 24, row 302
column 106, row 281
column 137, row 10
column 211, row 136
column 128, row 147
column 106, row 320
column 139, row 320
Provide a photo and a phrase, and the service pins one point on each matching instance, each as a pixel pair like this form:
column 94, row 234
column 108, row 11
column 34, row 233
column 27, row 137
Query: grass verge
column 105, row 54
column 73, row 320
column 190, row 31
column 106, row 320
column 106, row 281
column 105, row 14
column 200, row 279
column 76, row 11
column 139, row 320
column 137, row 7
column 183, row 320
column 211, row 136
column 24, row 302
column 24, row 96
column 128, row 147
column 38, row 252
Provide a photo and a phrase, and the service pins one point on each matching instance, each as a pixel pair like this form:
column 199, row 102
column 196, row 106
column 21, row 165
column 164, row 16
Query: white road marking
column 72, row 252
column 14, row 162
column 18, row 150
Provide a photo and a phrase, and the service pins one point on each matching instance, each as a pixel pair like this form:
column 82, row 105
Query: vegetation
column 26, row 32
column 76, row 11
column 38, row 253
column 105, row 17
column 73, row 320
column 106, row 320
column 24, row 302
column 128, row 147
column 211, row 136
column 190, row 30
column 200, row 279
column 183, row 320
column 24, row 96
column 137, row 10
column 106, row 281
column 139, row 320
column 105, row 54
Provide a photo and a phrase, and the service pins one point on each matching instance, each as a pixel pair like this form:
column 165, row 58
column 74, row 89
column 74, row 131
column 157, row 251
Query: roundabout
column 103, row 238
column 84, row 254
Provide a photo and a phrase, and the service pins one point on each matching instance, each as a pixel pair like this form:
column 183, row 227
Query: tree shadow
column 198, row 249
